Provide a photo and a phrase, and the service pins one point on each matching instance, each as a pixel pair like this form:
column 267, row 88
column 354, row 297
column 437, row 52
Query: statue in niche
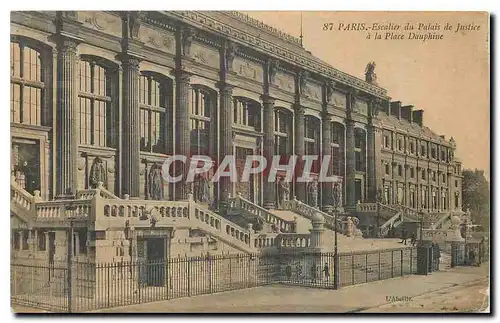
column 202, row 191
column 272, row 67
column 283, row 192
column 155, row 182
column 187, row 39
column 337, row 196
column 231, row 49
column 303, row 76
column 370, row 75
column 97, row 173
column 313, row 193
column 330, row 85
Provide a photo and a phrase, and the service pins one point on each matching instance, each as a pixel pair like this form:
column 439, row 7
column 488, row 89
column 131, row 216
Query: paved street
column 450, row 290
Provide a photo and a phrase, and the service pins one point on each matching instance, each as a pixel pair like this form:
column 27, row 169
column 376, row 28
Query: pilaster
column 327, row 187
column 226, row 133
column 183, row 144
column 300, row 188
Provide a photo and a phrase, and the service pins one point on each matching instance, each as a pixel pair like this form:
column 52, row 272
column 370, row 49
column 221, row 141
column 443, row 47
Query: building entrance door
column 358, row 190
column 156, row 261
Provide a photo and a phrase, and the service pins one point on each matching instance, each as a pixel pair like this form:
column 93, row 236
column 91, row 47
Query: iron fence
column 91, row 286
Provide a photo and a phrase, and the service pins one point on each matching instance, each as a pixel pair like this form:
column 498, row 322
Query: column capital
column 66, row 42
column 267, row 99
column 225, row 88
column 130, row 60
column 183, row 76
column 299, row 109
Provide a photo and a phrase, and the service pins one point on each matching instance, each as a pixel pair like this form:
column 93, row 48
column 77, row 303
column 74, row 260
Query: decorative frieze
column 248, row 69
column 204, row 55
column 101, row 21
column 160, row 40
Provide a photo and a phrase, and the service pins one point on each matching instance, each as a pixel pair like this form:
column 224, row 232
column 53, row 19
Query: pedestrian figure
column 299, row 271
column 288, row 272
column 314, row 270
column 413, row 239
column 436, row 252
column 326, row 270
column 403, row 236
column 472, row 257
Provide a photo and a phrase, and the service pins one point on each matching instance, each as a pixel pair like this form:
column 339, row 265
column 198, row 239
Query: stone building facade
column 108, row 96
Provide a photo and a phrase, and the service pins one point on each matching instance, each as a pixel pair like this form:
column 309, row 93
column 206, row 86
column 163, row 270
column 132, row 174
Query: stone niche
column 84, row 167
column 205, row 55
column 145, row 172
column 338, row 99
column 101, row 21
column 158, row 39
column 284, row 81
column 248, row 69
column 361, row 107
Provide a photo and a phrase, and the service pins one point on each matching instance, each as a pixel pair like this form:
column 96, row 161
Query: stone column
column 350, row 165
column 66, row 117
column 268, row 145
column 371, row 168
column 327, row 151
column 226, row 134
column 182, row 132
column 130, row 127
column 300, row 188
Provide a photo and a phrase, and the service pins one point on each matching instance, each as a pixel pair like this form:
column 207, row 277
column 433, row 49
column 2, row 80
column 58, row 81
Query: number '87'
column 328, row 26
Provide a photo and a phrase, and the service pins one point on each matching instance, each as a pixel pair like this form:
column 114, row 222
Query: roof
column 255, row 34
column 389, row 121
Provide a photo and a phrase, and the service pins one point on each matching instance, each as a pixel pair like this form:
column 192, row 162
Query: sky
column 448, row 78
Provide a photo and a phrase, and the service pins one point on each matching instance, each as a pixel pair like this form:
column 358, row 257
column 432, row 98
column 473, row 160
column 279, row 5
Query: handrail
column 22, row 197
column 308, row 212
column 283, row 225
column 440, row 222
column 384, row 229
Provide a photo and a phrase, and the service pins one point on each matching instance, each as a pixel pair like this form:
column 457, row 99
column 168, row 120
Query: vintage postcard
column 225, row 161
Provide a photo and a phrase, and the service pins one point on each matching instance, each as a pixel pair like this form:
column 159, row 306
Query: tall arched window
column 26, row 84
column 94, row 103
column 200, row 116
column 311, row 138
column 337, row 142
column 246, row 113
column 282, row 132
column 153, row 93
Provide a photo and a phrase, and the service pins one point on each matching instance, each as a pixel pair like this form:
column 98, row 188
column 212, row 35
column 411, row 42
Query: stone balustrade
column 283, row 225
column 63, row 209
column 294, row 240
column 142, row 208
column 21, row 197
column 266, row 240
column 392, row 222
column 366, row 207
column 308, row 211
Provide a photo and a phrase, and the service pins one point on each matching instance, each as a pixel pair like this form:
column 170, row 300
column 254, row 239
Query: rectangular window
column 456, row 183
column 359, row 162
column 412, row 148
column 444, row 178
column 82, row 237
column 434, row 176
column 336, row 160
column 25, row 237
column 16, row 239
column 387, row 169
column 412, row 172
column 42, row 240
column 433, row 153
column 423, row 174
column 422, row 150
column 400, row 170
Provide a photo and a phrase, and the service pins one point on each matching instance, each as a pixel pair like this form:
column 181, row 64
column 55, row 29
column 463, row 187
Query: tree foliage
column 476, row 196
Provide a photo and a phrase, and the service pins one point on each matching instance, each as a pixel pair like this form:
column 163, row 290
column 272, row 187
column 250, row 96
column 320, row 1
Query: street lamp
column 378, row 198
column 421, row 224
column 336, row 204
column 70, row 210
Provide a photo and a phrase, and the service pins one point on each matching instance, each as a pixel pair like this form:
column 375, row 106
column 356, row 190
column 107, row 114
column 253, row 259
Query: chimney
column 418, row 117
column 396, row 109
column 407, row 113
column 442, row 137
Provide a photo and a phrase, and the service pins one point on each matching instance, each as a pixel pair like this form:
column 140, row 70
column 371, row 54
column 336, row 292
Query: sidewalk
column 278, row 298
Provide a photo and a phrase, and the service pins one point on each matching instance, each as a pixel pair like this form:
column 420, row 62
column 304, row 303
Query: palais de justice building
column 108, row 96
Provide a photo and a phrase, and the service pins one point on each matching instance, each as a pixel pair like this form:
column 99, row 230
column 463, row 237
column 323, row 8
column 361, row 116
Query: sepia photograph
column 250, row 162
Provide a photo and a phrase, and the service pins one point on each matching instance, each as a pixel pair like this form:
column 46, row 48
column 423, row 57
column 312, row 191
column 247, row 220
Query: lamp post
column 336, row 202
column 421, row 225
column 378, row 199
column 70, row 210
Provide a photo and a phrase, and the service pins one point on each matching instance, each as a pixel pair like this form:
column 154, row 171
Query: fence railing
column 88, row 286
